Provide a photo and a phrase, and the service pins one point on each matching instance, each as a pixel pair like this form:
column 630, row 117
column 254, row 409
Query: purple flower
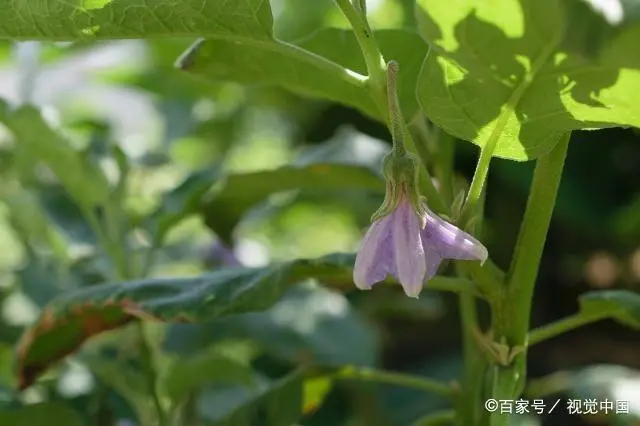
column 410, row 246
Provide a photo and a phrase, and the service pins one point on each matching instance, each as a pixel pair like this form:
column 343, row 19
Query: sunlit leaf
column 76, row 316
column 502, row 74
column 71, row 20
column 281, row 64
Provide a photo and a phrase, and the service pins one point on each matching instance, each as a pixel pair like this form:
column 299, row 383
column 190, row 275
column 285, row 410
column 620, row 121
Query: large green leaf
column 309, row 324
column 350, row 161
column 620, row 305
column 45, row 414
column 111, row 19
column 503, row 74
column 289, row 66
column 74, row 317
column 84, row 182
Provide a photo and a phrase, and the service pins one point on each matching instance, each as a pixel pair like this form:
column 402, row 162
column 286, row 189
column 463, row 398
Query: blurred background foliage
column 126, row 109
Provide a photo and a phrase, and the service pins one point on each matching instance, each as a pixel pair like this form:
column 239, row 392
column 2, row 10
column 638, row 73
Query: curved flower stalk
column 406, row 239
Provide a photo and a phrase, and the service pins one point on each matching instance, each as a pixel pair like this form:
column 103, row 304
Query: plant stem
column 468, row 402
column 390, row 378
column 376, row 65
column 146, row 353
column 561, row 326
column 512, row 314
column 439, row 418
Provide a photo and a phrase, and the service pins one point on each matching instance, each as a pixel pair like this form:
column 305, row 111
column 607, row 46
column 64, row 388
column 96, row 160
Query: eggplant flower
column 411, row 248
column 406, row 239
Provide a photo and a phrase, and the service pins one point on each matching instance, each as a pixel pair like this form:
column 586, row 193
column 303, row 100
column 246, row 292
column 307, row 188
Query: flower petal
column 432, row 260
column 408, row 249
column 375, row 259
column 450, row 241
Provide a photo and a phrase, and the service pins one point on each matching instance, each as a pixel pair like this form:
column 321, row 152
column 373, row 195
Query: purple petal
column 409, row 252
column 432, row 260
column 450, row 241
column 375, row 259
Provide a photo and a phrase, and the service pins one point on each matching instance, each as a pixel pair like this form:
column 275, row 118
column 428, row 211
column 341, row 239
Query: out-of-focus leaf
column 45, row 414
column 65, row 215
column 190, row 373
column 621, row 305
column 315, row 391
column 500, row 75
column 130, row 383
column 109, row 19
column 274, row 403
column 74, row 317
column 42, row 279
column 85, row 183
column 181, row 201
column 308, row 325
column 349, row 162
column 285, row 65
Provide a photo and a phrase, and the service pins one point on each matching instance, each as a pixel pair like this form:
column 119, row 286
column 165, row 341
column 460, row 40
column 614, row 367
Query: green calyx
column 400, row 171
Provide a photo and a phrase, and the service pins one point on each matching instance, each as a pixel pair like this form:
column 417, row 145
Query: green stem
column 376, row 66
column 467, row 403
column 439, row 418
column 146, row 353
column 390, row 378
column 512, row 314
column 561, row 326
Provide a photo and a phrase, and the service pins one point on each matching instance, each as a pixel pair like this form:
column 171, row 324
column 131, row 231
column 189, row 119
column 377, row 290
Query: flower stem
column 512, row 314
column 561, row 326
column 391, row 378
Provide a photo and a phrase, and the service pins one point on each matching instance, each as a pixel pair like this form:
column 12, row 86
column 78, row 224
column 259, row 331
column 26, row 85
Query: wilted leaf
column 281, row 64
column 74, row 317
column 502, row 74
column 45, row 414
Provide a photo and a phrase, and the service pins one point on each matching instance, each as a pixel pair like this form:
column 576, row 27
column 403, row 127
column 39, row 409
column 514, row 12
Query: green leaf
column 116, row 19
column 621, row 305
column 323, row 73
column 349, row 162
column 45, row 414
column 74, row 317
column 273, row 403
column 309, row 324
column 192, row 372
column 84, row 182
column 130, row 383
column 503, row 75
column 181, row 202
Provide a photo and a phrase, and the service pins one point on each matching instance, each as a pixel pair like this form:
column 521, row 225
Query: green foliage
column 621, row 305
column 41, row 414
column 59, row 20
column 158, row 208
column 500, row 76
column 286, row 65
column 68, row 321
